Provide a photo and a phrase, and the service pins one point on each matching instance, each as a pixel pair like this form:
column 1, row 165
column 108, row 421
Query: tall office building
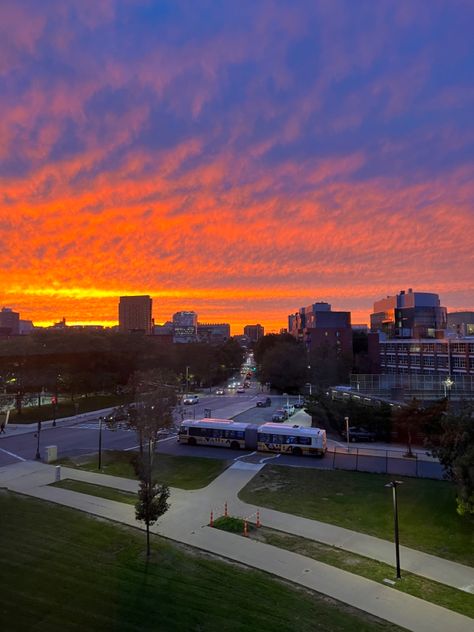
column 318, row 326
column 213, row 333
column 254, row 332
column 135, row 314
column 9, row 322
column 461, row 323
column 185, row 327
column 409, row 315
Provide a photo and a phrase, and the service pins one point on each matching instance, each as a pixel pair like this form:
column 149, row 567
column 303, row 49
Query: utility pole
column 346, row 419
column 100, row 443
column 38, row 433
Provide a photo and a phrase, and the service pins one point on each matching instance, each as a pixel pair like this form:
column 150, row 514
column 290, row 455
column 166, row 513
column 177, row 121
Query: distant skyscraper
column 254, row 332
column 135, row 314
column 185, row 326
column 213, row 333
column 9, row 322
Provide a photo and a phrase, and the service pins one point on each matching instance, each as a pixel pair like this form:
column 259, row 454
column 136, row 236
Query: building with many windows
column 461, row 323
column 254, row 332
column 447, row 356
column 135, row 314
column 185, row 327
column 409, row 315
column 9, row 322
column 213, row 333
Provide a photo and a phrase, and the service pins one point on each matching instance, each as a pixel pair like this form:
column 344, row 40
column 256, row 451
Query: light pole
column 346, row 419
column 448, row 383
column 187, row 380
column 394, row 485
column 38, row 433
column 100, row 443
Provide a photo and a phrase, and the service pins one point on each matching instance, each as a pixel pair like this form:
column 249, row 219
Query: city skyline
column 241, row 162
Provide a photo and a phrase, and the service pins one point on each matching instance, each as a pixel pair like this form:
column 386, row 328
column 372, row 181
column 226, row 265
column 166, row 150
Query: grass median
column 185, row 472
column 100, row 491
column 32, row 414
column 63, row 570
column 361, row 502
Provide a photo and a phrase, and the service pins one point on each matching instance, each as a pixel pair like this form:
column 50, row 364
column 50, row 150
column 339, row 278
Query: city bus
column 288, row 439
column 269, row 437
column 223, row 433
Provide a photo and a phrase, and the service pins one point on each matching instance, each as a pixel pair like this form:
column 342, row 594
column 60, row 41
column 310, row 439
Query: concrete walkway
column 189, row 514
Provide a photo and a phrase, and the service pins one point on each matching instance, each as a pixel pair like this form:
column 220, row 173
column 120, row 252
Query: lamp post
column 394, row 485
column 100, row 443
column 38, row 433
column 187, row 380
column 448, row 383
column 346, row 419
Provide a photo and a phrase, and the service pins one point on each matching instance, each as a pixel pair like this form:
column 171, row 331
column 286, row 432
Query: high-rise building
column 213, row 333
column 9, row 322
column 185, row 327
column 135, row 314
column 318, row 326
column 409, row 315
column 254, row 332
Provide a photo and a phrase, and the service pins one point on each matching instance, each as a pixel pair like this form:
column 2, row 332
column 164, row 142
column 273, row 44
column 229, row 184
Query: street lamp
column 346, row 419
column 394, row 485
column 448, row 383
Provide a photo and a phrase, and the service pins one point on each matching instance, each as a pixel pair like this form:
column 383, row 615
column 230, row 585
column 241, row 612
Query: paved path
column 186, row 521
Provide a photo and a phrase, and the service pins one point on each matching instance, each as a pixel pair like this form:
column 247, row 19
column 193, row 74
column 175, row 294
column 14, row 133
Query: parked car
column 299, row 403
column 263, row 403
column 191, row 399
column 280, row 415
column 220, row 391
column 359, row 434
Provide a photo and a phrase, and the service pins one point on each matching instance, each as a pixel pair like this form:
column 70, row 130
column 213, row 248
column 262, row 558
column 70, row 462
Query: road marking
column 269, row 458
column 159, row 441
column 244, row 456
column 14, row 455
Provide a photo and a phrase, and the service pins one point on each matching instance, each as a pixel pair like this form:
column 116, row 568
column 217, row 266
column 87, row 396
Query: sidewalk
column 185, row 522
column 19, row 429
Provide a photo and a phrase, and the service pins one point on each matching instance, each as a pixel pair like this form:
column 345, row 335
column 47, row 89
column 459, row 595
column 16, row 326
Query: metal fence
column 379, row 461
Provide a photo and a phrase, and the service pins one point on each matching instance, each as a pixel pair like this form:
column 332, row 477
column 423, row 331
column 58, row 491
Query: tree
column 284, row 366
column 453, row 445
column 152, row 497
column 410, row 419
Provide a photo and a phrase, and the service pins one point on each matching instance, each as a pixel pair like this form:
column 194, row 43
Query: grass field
column 185, row 472
column 415, row 585
column 359, row 501
column 62, row 570
column 99, row 491
column 31, row 414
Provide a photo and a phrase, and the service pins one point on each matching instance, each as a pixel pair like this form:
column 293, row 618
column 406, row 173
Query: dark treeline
column 79, row 362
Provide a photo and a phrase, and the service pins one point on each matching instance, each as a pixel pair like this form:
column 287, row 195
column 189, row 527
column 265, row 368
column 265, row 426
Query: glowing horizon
column 240, row 161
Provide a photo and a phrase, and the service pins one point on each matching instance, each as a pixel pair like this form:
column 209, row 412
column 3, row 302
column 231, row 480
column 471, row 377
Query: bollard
column 246, row 530
column 225, row 509
column 211, row 522
column 259, row 524
column 58, row 473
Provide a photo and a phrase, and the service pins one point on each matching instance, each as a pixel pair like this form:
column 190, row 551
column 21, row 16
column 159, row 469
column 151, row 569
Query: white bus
column 269, row 437
column 289, row 439
column 223, row 433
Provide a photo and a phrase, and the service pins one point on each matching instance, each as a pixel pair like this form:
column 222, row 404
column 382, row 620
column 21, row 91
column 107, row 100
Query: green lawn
column 359, row 501
column 97, row 490
column 67, row 409
column 63, row 570
column 185, row 472
column 415, row 585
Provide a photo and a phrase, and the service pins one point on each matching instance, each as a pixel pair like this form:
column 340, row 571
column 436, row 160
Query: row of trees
column 287, row 365
column 81, row 362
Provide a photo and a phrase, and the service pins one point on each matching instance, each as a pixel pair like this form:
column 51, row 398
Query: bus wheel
column 296, row 451
column 235, row 446
column 191, row 441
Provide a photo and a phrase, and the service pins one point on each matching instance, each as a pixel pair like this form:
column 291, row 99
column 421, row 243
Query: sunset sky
column 239, row 158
